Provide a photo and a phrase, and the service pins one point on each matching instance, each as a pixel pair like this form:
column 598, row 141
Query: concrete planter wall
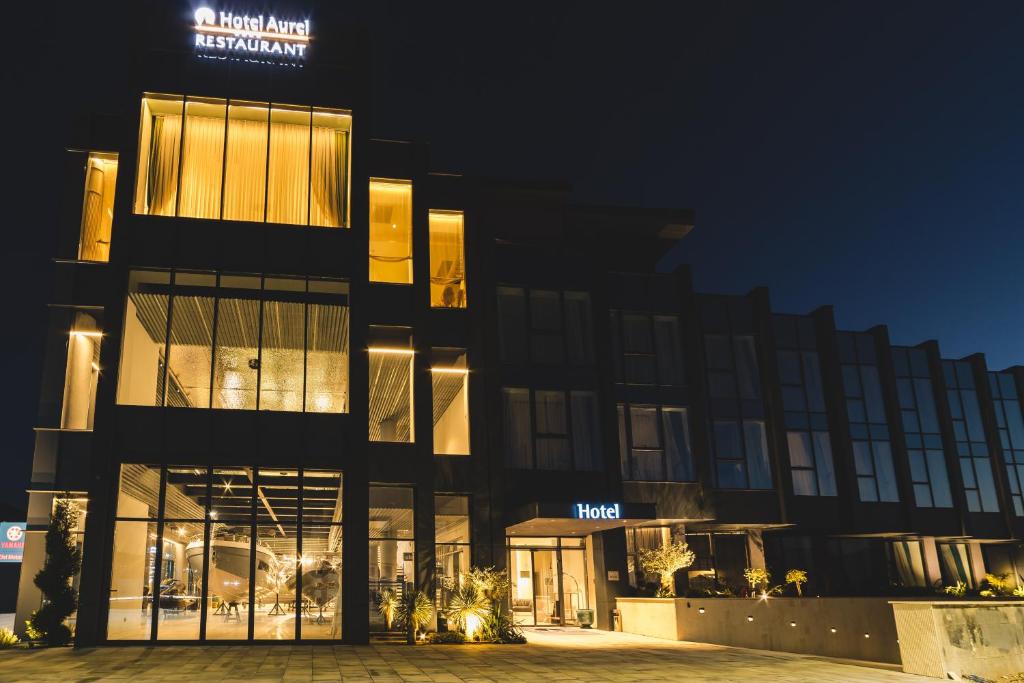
column 848, row 628
column 980, row 639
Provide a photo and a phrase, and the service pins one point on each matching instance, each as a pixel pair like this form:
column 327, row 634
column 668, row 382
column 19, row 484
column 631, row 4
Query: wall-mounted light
column 700, row 610
column 85, row 333
column 451, row 371
column 833, row 629
column 391, row 349
column 750, row 617
column 793, row 624
column 867, row 635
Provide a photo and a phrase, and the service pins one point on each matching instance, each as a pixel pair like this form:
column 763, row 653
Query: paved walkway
column 550, row 656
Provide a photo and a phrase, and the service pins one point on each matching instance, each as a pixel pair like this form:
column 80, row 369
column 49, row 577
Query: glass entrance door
column 549, row 580
column 545, row 587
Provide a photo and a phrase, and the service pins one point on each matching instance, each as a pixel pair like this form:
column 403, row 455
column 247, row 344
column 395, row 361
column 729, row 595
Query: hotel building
column 289, row 367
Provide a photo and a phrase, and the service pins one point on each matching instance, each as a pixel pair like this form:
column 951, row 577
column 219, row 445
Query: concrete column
column 755, row 548
column 977, row 561
column 930, row 558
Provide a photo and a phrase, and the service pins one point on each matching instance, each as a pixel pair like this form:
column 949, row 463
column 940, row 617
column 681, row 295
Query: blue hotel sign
column 595, row 511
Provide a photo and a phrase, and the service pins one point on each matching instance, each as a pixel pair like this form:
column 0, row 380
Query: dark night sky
column 863, row 154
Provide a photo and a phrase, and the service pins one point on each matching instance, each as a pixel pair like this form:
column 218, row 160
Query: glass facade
column 391, row 385
column 1010, row 421
column 83, row 372
column 449, row 376
column 738, row 429
column 647, row 349
column 547, row 429
column 210, row 158
column 98, row 207
column 803, row 399
column 391, row 231
column 201, row 340
column 969, row 432
column 921, row 428
column 869, row 427
column 226, row 553
column 545, row 327
column 392, row 550
column 452, row 550
column 447, row 259
column 654, row 443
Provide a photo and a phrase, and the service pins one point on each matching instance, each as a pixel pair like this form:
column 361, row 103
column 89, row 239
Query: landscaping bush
column 63, row 560
column 7, row 638
column 448, row 637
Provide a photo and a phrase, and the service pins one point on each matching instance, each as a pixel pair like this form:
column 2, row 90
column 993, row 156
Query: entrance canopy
column 576, row 519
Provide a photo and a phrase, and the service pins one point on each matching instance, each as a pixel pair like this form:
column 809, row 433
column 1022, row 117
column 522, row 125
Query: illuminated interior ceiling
column 284, row 331
column 231, row 501
column 449, row 529
column 446, row 386
column 389, row 522
column 390, row 394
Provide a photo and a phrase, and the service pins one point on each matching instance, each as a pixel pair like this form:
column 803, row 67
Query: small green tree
column 63, row 561
column 665, row 561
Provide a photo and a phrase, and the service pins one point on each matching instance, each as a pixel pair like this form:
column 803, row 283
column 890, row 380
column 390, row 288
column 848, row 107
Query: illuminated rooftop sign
column 250, row 37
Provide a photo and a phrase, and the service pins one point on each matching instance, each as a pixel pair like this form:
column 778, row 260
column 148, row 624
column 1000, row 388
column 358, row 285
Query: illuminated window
column 391, row 368
column 83, row 372
column 391, row 231
column 202, row 158
column 98, row 207
column 243, row 161
column 447, row 260
column 235, row 342
column 451, row 545
column 450, row 386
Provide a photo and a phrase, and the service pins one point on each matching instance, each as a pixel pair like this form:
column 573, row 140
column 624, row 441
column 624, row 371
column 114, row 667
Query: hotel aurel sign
column 269, row 38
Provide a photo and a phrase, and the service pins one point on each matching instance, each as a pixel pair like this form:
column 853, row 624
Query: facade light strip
column 451, row 371
column 389, row 349
column 85, row 333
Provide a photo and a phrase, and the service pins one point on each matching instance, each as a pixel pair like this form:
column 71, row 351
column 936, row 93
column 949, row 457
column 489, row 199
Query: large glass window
column 82, row 373
column 447, row 259
column 1010, row 422
column 545, row 326
column 921, row 428
column 391, row 231
column 449, row 375
column 563, row 434
column 869, row 427
column 803, row 399
column 654, row 443
column 971, row 445
column 241, row 160
column 220, row 553
column 98, row 207
column 391, row 385
column 235, row 342
column 451, row 544
column 955, row 564
column 637, row 541
column 392, row 549
column 647, row 349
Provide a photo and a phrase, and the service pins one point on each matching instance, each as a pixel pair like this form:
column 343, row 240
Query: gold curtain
column 329, row 177
column 163, row 165
column 447, row 265
column 390, row 231
column 201, row 167
column 246, row 173
column 288, row 184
